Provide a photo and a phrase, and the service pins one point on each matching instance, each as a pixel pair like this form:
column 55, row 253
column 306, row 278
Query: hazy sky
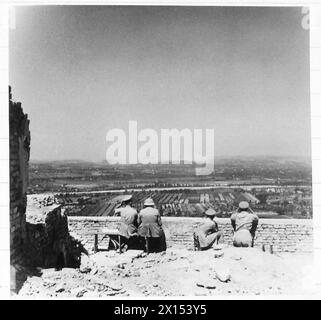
column 80, row 71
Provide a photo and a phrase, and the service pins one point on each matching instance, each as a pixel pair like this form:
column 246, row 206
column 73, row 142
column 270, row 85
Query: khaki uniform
column 207, row 233
column 150, row 223
column 244, row 225
column 128, row 221
column 150, row 226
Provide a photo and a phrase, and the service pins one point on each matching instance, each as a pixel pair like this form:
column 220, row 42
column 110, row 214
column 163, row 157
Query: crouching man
column 208, row 234
column 244, row 223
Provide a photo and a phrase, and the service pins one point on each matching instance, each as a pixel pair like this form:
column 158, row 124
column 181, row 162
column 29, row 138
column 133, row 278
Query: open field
column 273, row 202
column 73, row 176
column 277, row 187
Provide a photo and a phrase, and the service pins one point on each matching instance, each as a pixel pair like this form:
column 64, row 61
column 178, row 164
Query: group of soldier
column 244, row 223
column 144, row 229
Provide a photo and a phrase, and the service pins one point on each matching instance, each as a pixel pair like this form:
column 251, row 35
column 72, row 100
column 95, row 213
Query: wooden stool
column 109, row 233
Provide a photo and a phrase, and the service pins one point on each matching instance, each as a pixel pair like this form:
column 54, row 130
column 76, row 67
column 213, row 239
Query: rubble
column 42, row 200
column 219, row 254
column 223, row 275
column 209, row 284
column 177, row 272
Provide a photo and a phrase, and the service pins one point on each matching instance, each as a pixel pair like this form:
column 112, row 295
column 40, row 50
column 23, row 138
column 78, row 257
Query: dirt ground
column 178, row 272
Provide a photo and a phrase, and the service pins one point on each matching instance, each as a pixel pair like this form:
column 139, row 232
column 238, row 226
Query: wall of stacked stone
column 47, row 236
column 285, row 235
column 48, row 242
column 19, row 157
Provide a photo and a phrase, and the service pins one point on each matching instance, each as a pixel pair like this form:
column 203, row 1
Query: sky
column 80, row 71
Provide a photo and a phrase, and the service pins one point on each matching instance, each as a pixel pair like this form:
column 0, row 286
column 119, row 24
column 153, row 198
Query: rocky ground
column 178, row 272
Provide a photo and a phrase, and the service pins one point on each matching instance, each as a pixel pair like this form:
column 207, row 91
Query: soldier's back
column 149, row 215
column 244, row 220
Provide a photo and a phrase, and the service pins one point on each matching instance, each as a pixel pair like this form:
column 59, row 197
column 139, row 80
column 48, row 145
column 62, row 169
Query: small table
column 111, row 233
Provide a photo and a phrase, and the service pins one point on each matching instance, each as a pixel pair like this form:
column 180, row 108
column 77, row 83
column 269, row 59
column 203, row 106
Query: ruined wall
column 286, row 235
column 48, row 242
column 19, row 158
column 39, row 236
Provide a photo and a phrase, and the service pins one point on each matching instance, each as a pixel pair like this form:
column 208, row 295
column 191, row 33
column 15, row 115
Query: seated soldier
column 128, row 223
column 208, row 234
column 244, row 224
column 150, row 227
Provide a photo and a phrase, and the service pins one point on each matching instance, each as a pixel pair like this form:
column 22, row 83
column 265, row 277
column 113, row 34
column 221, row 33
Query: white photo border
column 7, row 21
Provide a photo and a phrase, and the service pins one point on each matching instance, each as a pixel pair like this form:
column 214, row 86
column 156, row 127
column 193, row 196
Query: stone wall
column 39, row 235
column 286, row 235
column 19, row 158
column 49, row 244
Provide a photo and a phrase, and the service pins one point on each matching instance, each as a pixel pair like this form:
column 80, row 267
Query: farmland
column 292, row 201
column 74, row 176
column 273, row 186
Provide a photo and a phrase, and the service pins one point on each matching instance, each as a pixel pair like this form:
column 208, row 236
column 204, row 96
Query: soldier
column 150, row 227
column 244, row 224
column 208, row 233
column 128, row 222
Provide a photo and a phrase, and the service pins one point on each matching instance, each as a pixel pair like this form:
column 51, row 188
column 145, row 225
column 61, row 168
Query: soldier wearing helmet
column 208, row 233
column 244, row 223
column 150, row 226
column 128, row 221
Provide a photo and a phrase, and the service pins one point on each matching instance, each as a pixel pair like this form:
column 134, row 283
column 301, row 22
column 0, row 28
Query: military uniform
column 244, row 225
column 150, row 226
column 128, row 221
column 207, row 233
